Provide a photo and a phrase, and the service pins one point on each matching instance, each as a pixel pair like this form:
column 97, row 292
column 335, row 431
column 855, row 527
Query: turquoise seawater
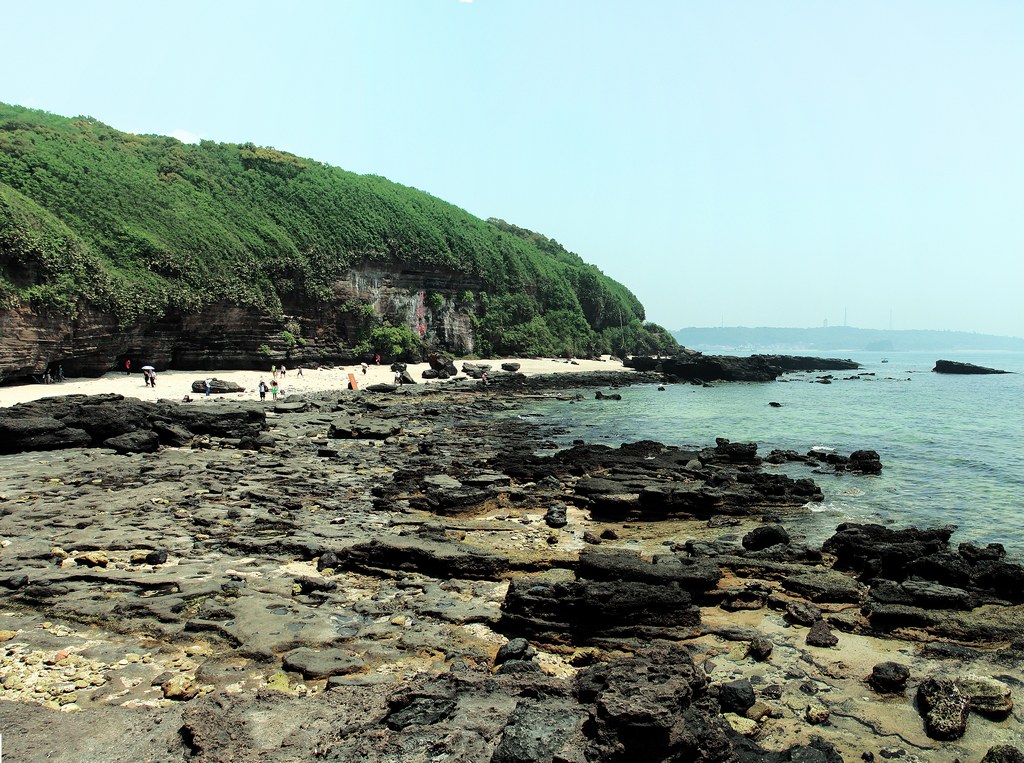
column 951, row 445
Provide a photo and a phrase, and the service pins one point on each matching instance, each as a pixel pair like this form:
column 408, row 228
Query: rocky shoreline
column 399, row 576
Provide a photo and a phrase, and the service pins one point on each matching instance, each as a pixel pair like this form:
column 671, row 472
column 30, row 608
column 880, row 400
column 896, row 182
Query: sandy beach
column 174, row 385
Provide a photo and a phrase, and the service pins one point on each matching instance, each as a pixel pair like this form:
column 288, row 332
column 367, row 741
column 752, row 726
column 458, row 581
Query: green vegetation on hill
column 136, row 225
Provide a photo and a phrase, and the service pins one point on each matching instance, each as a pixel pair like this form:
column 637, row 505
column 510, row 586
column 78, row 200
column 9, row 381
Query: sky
column 769, row 163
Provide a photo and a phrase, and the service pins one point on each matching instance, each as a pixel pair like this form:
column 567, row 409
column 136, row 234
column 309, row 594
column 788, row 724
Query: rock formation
column 956, row 367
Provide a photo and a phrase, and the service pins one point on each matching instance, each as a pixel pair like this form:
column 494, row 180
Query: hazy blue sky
column 745, row 163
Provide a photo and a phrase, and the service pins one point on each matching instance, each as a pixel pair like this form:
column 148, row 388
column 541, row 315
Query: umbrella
column 148, row 368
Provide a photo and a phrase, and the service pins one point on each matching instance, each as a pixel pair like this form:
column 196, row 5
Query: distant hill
column 115, row 245
column 837, row 338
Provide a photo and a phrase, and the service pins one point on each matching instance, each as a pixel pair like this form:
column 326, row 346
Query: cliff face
column 230, row 336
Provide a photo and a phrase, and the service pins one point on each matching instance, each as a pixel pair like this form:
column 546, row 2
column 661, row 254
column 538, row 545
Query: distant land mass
column 840, row 338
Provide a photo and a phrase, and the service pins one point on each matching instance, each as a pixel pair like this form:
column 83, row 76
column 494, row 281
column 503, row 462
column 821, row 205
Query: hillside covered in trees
column 129, row 235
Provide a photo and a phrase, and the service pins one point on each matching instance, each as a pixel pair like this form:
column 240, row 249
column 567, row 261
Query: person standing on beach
column 152, row 379
column 273, row 371
column 376, row 360
column 145, row 377
column 128, row 367
column 208, row 384
column 273, row 389
column 263, row 390
column 364, row 369
column 60, row 373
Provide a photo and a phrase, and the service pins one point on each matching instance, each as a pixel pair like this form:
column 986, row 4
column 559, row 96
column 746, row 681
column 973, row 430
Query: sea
column 952, row 446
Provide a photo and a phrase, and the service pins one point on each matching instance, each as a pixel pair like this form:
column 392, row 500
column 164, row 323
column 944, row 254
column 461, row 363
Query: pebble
column 817, row 714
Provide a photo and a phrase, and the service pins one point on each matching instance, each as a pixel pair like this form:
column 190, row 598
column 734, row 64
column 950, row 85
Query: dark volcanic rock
column 536, row 731
column 760, row 648
column 82, row 421
column 145, row 441
column 865, row 462
column 765, row 536
column 516, row 649
column 955, row 367
column 821, row 635
column 555, row 516
column 889, row 677
column 877, row 551
column 1003, row 753
column 692, row 366
column 437, row 558
column 736, row 696
column 364, row 428
column 612, row 596
column 580, row 611
column 651, row 707
column 943, row 707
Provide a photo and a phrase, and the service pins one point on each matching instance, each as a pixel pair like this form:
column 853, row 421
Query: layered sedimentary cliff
column 225, row 335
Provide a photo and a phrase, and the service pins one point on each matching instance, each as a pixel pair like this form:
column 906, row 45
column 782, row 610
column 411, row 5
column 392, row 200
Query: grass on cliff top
column 137, row 224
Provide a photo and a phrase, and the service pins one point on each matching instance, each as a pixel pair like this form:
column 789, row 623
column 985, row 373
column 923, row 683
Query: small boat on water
column 885, row 360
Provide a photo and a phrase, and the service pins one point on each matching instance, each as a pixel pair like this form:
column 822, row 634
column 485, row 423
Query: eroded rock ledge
column 257, row 589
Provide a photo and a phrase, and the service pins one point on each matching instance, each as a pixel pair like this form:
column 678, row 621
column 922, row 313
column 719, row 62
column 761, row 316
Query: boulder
column 985, row 695
column 821, row 635
column 441, row 364
column 515, row 649
column 943, row 707
column 511, row 367
column 889, row 677
column 382, row 387
column 760, row 648
column 865, row 462
column 555, row 516
column 765, row 536
column 179, row 688
column 802, row 613
column 217, row 387
column 877, row 551
column 650, row 707
column 476, row 370
column 736, row 696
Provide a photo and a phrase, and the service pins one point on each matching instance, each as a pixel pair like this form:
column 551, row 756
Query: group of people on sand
column 53, row 377
column 283, row 371
column 148, row 373
column 273, row 389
